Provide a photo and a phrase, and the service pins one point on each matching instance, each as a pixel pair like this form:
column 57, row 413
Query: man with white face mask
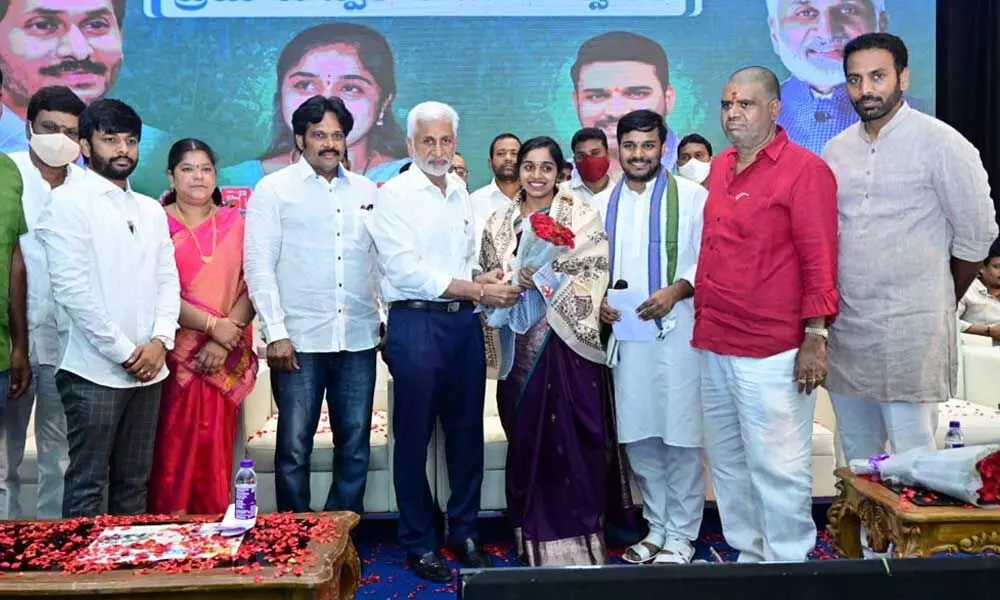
column 809, row 37
column 53, row 131
column 694, row 158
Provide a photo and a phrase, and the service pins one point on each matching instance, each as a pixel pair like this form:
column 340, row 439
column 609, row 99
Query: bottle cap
column 954, row 424
column 246, row 463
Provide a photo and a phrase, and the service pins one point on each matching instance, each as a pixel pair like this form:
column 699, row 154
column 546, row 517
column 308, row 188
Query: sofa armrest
column 980, row 365
column 256, row 408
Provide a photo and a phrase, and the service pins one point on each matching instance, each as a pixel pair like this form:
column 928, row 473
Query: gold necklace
column 197, row 245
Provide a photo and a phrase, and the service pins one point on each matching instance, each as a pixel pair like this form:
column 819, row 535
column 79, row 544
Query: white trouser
column 865, row 426
column 50, row 441
column 758, row 439
column 673, row 487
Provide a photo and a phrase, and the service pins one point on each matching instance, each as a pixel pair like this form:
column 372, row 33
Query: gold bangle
column 210, row 325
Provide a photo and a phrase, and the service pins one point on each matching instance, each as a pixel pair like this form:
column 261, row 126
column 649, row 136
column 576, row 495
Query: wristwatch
column 822, row 332
column 168, row 344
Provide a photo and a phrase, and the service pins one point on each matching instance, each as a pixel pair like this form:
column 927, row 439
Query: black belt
column 433, row 306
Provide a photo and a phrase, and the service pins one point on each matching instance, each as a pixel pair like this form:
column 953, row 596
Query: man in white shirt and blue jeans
column 53, row 138
column 312, row 273
column 423, row 227
column 115, row 285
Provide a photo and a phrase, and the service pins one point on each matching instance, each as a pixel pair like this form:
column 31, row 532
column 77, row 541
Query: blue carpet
column 384, row 573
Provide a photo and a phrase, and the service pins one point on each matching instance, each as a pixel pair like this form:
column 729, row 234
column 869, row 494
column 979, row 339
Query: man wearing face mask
column 312, row 274
column 694, row 158
column 115, row 284
column 592, row 161
column 656, row 383
column 53, row 137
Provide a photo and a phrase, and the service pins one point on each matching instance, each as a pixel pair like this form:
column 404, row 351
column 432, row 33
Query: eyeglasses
column 460, row 171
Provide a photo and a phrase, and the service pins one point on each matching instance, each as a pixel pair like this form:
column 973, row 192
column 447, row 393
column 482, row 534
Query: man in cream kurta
column 916, row 220
column 657, row 383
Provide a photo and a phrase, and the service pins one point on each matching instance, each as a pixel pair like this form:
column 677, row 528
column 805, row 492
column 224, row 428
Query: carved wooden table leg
column 844, row 525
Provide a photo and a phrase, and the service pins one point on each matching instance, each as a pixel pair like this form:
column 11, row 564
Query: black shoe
column 429, row 566
column 471, row 556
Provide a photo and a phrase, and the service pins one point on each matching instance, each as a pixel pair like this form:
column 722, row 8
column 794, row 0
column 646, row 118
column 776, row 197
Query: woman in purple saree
column 553, row 401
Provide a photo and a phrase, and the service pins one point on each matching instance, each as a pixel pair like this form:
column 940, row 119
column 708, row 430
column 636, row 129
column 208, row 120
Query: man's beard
column 879, row 110
column 631, row 176
column 803, row 69
column 500, row 176
column 106, row 169
column 430, row 169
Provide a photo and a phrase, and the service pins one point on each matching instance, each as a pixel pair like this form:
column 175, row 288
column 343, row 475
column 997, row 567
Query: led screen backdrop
column 232, row 71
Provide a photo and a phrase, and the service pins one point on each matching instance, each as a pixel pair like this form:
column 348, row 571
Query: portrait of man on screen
column 616, row 73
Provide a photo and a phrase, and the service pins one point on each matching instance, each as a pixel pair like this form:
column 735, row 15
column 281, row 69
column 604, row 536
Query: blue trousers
column 439, row 372
column 348, row 379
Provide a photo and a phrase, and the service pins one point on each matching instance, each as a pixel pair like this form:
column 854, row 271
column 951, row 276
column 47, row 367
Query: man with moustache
column 423, row 229
column 592, row 161
column 460, row 168
column 312, row 277
column 616, row 73
column 766, row 289
column 504, row 187
column 74, row 43
column 809, row 36
column 916, row 218
column 53, row 134
column 115, row 285
column 657, row 383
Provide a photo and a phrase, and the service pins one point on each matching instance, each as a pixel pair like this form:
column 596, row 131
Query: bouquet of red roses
column 543, row 241
column 970, row 473
column 989, row 471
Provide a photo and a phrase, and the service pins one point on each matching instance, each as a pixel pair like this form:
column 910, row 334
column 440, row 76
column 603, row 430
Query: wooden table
column 334, row 576
column 916, row 531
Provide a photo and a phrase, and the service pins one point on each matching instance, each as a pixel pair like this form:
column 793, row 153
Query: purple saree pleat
column 552, row 407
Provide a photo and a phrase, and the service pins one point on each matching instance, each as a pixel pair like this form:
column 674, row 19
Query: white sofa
column 976, row 407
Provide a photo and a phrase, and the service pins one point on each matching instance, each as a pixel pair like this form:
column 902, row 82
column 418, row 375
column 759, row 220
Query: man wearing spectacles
column 460, row 168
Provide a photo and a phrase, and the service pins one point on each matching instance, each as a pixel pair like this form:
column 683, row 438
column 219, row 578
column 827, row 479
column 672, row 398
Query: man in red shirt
column 764, row 293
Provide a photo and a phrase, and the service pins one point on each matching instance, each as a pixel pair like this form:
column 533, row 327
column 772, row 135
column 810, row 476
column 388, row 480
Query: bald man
column 766, row 291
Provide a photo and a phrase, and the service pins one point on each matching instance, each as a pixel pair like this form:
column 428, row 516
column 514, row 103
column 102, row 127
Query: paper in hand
column 630, row 328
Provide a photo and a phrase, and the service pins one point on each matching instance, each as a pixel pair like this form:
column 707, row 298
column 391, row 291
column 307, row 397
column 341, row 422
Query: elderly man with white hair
column 809, row 36
column 423, row 231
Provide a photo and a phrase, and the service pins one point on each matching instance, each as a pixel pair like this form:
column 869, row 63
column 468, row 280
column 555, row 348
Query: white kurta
column 657, row 384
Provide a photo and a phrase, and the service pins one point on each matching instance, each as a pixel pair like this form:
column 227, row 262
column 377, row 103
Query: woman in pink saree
column 212, row 366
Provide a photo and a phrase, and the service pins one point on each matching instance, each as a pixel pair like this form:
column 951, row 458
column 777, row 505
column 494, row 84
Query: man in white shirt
column 53, row 136
column 657, row 382
column 313, row 278
column 592, row 161
column 115, row 285
column 505, row 185
column 423, row 229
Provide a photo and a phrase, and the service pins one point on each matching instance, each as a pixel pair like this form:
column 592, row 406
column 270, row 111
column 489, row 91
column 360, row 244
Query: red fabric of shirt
column 768, row 257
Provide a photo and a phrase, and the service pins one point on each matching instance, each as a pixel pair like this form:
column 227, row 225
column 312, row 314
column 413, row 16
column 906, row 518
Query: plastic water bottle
column 246, row 491
column 954, row 438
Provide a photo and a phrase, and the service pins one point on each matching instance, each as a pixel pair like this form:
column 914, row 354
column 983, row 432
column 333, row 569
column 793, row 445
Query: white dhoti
column 866, row 426
column 758, row 439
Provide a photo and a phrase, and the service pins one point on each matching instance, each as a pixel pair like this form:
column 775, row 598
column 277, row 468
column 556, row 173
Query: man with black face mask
column 311, row 270
column 916, row 222
column 114, row 282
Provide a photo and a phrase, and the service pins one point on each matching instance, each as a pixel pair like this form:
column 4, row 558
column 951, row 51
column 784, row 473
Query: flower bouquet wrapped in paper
column 970, row 474
column 542, row 242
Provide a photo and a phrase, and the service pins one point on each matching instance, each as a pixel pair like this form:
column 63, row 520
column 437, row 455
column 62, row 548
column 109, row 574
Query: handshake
column 493, row 289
